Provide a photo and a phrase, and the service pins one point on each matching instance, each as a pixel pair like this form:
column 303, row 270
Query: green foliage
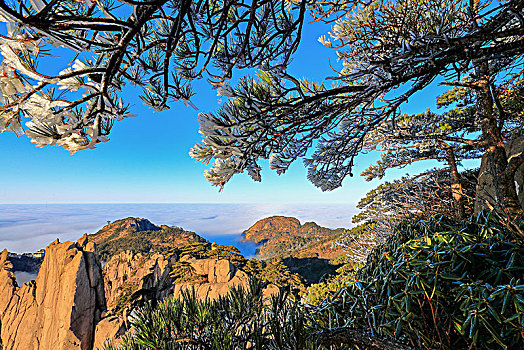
column 197, row 250
column 318, row 292
column 438, row 284
column 136, row 245
column 268, row 272
column 145, row 241
column 206, row 250
column 273, row 272
column 183, row 272
column 124, row 299
column 239, row 320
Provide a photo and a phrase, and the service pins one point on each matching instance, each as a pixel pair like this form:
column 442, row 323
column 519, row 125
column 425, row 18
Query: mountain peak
column 265, row 228
column 139, row 235
column 280, row 235
column 137, row 224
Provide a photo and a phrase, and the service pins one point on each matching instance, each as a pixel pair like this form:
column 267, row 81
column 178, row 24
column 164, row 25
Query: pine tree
column 160, row 46
column 390, row 51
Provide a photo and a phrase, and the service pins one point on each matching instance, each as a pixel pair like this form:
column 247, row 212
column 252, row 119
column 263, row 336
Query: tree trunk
column 506, row 199
column 456, row 187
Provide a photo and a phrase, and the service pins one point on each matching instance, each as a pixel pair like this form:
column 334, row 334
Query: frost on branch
column 221, row 171
column 29, row 98
column 159, row 46
column 387, row 52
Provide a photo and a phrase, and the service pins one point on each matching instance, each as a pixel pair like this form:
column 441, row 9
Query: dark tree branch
column 354, row 337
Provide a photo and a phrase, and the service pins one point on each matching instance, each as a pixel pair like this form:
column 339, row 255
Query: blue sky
column 147, row 161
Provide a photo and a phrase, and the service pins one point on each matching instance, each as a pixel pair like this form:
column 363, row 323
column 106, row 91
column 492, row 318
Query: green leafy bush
column 239, row 320
column 318, row 292
column 182, row 272
column 438, row 284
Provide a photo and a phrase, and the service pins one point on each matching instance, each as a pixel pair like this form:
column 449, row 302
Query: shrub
column 239, row 320
column 438, row 284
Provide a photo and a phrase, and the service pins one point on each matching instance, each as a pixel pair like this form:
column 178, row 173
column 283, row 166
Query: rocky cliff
column 60, row 309
column 215, row 277
column 132, row 279
column 75, row 304
column 175, row 260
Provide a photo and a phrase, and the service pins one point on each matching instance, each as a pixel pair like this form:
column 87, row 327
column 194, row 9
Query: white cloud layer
column 27, row 228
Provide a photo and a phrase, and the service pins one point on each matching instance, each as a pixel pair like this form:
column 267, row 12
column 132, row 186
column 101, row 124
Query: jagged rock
column 65, row 307
column 59, row 310
column 144, row 225
column 485, row 187
column 270, row 290
column 217, row 271
column 223, row 271
column 127, row 274
column 109, row 328
column 219, row 276
column 7, row 282
column 82, row 241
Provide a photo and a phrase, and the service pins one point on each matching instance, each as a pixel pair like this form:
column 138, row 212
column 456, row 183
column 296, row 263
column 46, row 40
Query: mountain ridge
column 139, row 235
column 284, row 236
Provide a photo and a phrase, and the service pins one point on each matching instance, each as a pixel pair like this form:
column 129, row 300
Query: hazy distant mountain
column 282, row 236
column 308, row 249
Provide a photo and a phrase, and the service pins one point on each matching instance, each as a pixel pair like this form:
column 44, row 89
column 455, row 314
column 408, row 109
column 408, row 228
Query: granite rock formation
column 65, row 307
column 60, row 309
column 75, row 304
column 109, row 328
column 131, row 278
column 217, row 276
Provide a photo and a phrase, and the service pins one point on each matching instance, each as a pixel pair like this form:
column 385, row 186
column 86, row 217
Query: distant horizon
column 210, row 202
column 29, row 227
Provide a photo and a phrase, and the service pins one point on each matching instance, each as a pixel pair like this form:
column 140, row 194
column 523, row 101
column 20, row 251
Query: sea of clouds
column 29, row 227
